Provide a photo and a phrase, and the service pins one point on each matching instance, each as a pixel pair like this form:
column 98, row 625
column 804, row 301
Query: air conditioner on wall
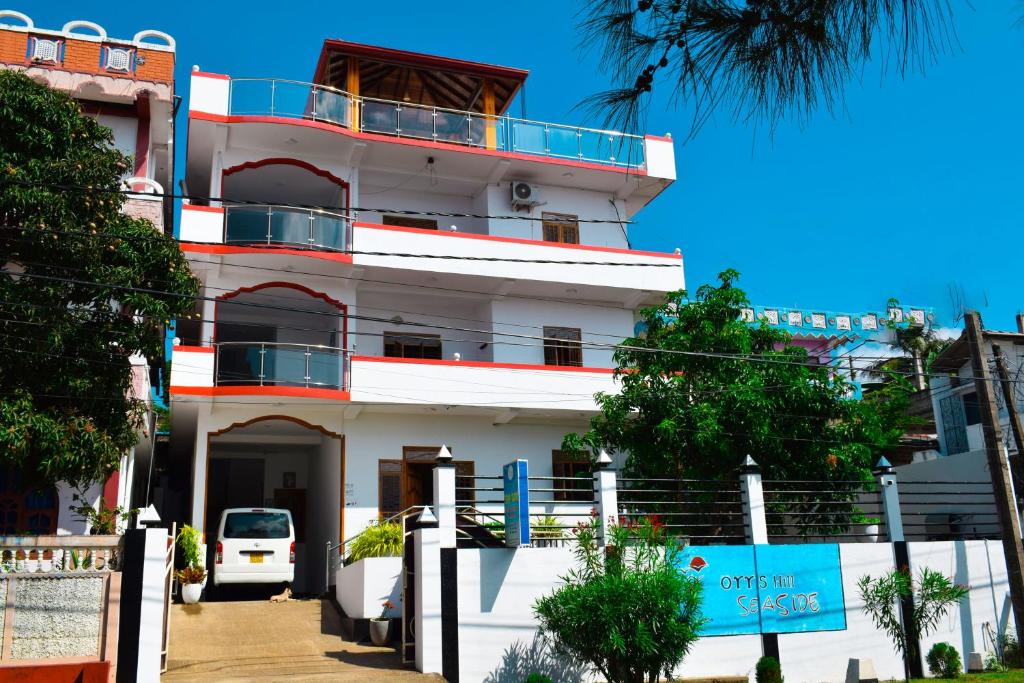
column 525, row 195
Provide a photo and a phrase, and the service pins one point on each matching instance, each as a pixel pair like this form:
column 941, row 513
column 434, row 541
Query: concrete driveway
column 263, row 641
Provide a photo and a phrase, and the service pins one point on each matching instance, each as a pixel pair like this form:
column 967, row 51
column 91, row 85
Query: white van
column 255, row 545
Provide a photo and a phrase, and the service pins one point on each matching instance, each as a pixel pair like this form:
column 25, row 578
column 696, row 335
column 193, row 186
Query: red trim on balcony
column 207, row 74
column 294, row 392
column 287, row 161
column 200, row 207
column 269, row 250
column 193, row 349
column 516, row 240
column 482, row 364
column 427, row 144
column 662, row 138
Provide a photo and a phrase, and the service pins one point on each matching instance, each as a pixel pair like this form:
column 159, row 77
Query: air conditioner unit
column 525, row 195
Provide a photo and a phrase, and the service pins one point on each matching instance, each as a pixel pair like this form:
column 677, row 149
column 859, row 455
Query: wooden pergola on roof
column 416, row 78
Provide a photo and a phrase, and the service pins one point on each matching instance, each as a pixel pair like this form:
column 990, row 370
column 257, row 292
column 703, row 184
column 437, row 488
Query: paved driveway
column 263, row 641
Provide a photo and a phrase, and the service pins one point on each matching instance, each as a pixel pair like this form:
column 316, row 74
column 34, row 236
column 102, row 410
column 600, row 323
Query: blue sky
column 914, row 188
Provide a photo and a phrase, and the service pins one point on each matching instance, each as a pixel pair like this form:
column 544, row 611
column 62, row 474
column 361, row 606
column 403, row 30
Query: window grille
column 119, row 60
column 45, row 50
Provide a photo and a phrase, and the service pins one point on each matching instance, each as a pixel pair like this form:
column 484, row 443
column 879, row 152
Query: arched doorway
column 278, row 461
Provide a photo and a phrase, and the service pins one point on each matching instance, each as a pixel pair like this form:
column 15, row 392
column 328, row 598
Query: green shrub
column 768, row 670
column 626, row 610
column 1013, row 655
column 378, row 540
column 944, row 661
column 538, row 678
column 546, row 527
column 188, row 541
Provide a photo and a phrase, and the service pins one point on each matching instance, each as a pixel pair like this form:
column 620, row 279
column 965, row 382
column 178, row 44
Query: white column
column 444, row 497
column 885, row 475
column 427, row 551
column 199, row 478
column 607, row 496
column 151, row 620
column 208, row 312
column 753, row 502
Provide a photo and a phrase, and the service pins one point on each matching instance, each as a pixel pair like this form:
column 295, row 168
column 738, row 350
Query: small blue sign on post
column 768, row 588
column 517, row 504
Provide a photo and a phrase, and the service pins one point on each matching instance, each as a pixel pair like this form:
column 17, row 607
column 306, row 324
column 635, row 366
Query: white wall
column 612, row 325
column 498, row 587
column 459, row 312
column 580, row 203
column 380, row 197
column 374, row 437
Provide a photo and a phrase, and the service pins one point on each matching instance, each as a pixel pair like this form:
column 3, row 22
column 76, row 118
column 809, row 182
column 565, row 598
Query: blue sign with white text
column 768, row 588
column 517, row 503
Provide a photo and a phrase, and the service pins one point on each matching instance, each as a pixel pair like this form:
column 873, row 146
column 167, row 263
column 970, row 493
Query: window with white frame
column 44, row 50
column 119, row 59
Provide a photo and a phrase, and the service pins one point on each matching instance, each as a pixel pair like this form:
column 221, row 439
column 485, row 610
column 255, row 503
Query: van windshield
column 256, row 525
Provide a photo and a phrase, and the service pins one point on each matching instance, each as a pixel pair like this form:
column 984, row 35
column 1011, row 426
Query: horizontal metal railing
column 804, row 511
column 285, row 226
column 297, row 99
column 281, row 364
column 700, row 511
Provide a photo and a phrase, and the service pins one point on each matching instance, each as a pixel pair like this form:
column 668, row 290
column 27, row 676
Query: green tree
column 701, row 389
column 765, row 58
column 72, row 271
column 626, row 610
column 933, row 594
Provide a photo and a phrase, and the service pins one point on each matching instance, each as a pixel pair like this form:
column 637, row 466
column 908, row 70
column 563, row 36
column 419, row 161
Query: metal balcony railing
column 274, row 364
column 283, row 226
column 295, row 99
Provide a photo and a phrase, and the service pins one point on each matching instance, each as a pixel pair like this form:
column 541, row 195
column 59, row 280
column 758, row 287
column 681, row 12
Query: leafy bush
column 933, row 595
column 546, row 527
column 944, row 661
column 102, row 520
column 626, row 610
column 189, row 542
column 191, row 575
column 537, row 678
column 377, row 540
column 768, row 670
column 1013, row 655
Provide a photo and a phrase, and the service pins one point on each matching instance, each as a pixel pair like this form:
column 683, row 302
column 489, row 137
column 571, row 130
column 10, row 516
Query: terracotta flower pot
column 379, row 631
column 190, row 592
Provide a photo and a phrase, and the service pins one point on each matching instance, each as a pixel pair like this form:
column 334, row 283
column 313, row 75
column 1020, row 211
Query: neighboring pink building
column 128, row 86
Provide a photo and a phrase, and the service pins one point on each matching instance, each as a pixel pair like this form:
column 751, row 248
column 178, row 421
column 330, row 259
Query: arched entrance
column 279, row 461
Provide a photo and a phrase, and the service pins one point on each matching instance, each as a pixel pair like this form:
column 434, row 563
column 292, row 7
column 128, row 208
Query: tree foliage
column 933, row 594
column 765, row 58
column 701, row 389
column 71, row 265
column 626, row 610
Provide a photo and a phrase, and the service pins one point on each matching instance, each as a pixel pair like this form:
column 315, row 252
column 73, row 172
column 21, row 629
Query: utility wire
column 313, row 207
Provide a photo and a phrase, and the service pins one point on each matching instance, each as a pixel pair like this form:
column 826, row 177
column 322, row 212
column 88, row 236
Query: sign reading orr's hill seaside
column 768, row 588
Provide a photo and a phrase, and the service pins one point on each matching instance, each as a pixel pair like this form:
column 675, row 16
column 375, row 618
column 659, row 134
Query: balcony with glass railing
column 286, row 227
column 312, row 102
column 280, row 365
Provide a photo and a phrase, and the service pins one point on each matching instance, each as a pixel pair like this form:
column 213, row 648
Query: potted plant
column 193, row 577
column 380, row 627
column 372, row 572
column 868, row 527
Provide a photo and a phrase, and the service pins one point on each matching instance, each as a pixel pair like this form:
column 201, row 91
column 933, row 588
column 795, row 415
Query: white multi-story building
column 383, row 253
